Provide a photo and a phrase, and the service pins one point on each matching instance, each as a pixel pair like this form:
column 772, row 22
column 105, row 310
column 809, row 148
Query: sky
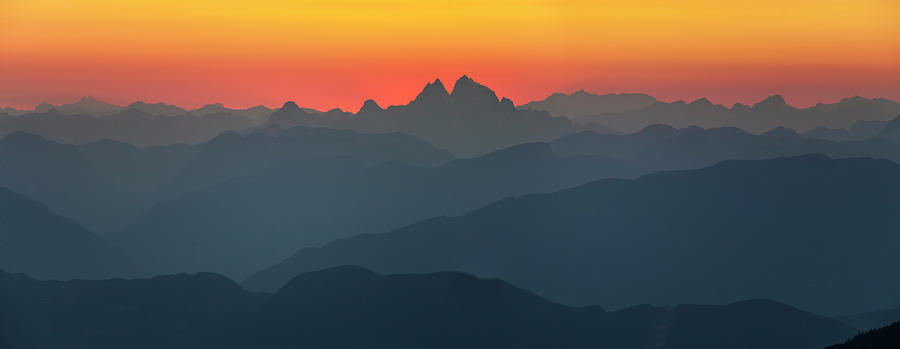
column 338, row 53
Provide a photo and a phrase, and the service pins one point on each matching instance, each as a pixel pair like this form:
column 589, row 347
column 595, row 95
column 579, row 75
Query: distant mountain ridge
column 106, row 184
column 45, row 245
column 670, row 237
column 469, row 121
column 767, row 114
column 132, row 125
column 294, row 203
column 582, row 103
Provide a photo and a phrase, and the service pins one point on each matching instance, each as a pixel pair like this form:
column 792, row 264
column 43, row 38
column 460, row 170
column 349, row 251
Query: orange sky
column 337, row 53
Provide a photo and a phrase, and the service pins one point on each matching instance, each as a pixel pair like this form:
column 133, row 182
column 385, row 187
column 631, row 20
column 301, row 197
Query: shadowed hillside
column 807, row 230
column 351, row 307
column 36, row 241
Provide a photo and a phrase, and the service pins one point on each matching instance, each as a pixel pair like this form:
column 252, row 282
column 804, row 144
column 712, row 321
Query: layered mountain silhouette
column 887, row 337
column 258, row 114
column 233, row 154
column 107, row 184
column 59, row 176
column 131, row 125
column 582, row 103
column 662, row 147
column 158, row 108
column 252, row 221
column 351, row 307
column 765, row 115
column 806, row 230
column 86, row 105
column 102, row 185
column 45, row 245
column 468, row 121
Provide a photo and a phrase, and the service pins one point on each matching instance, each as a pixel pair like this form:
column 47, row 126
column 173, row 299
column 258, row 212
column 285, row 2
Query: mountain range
column 351, row 307
column 275, row 182
column 767, row 114
column 244, row 224
column 807, row 230
column 663, row 147
column 45, row 245
column 468, row 121
column 106, row 184
column 131, row 125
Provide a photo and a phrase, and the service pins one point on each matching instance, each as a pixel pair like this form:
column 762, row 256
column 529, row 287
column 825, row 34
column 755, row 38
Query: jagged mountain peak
column 468, row 92
column 433, row 93
column 369, row 107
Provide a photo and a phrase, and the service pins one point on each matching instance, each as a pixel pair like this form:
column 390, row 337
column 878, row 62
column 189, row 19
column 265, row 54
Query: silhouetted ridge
column 702, row 101
column 582, row 103
column 369, row 107
column 45, row 245
column 468, row 93
column 887, row 337
column 698, row 225
column 350, row 307
column 324, row 282
column 290, row 107
column 433, row 94
column 771, row 103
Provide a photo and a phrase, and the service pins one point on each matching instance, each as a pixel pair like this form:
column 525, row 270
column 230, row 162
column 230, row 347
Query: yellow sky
column 559, row 43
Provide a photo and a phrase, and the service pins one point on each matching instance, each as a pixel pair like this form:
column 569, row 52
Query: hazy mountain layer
column 807, row 230
column 106, row 184
column 253, row 221
column 765, row 115
column 39, row 242
column 887, row 337
column 131, row 125
column 661, row 147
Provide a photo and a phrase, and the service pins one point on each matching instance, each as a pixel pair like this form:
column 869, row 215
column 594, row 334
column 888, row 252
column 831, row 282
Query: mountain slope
column 244, row 224
column 36, row 241
column 232, row 154
column 662, row 147
column 807, row 230
column 103, row 184
column 887, row 337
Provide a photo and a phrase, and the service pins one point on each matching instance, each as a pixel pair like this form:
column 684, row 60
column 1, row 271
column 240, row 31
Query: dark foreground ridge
column 351, row 307
column 883, row 338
